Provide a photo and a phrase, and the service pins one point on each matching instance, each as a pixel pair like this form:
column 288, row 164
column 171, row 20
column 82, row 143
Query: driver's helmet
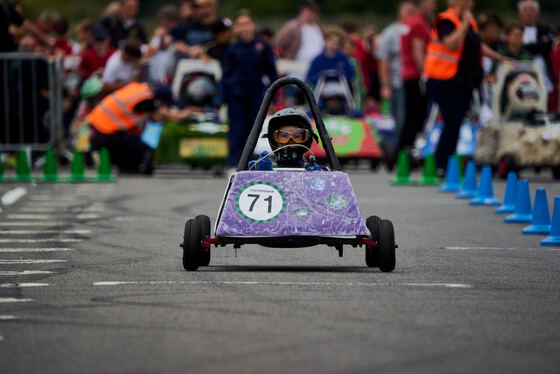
column 523, row 93
column 290, row 117
column 91, row 87
column 201, row 91
column 333, row 90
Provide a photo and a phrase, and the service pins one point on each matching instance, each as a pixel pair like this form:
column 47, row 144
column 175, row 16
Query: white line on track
column 257, row 283
column 62, row 210
column 32, row 223
column 29, row 261
column 12, row 196
column 14, row 300
column 23, row 285
column 50, row 216
column 39, row 240
column 38, row 232
column 1, row 338
column 34, row 250
column 7, row 317
column 87, row 216
column 51, row 198
column 489, row 249
column 24, row 273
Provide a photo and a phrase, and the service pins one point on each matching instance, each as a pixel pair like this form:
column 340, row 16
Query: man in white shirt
column 123, row 66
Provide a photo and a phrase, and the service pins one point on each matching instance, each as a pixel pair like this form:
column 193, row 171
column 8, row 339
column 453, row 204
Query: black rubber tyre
column 505, row 165
column 387, row 257
column 204, row 225
column 191, row 245
column 372, row 254
column 556, row 172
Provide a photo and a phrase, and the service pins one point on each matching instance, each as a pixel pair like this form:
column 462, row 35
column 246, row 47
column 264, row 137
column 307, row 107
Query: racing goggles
column 297, row 135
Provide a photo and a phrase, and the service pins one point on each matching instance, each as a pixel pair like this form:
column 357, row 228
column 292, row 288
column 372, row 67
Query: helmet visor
column 297, row 135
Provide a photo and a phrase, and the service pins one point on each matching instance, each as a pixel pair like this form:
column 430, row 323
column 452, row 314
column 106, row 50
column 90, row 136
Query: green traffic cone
column 77, row 168
column 403, row 170
column 50, row 172
column 23, row 171
column 429, row 177
column 104, row 172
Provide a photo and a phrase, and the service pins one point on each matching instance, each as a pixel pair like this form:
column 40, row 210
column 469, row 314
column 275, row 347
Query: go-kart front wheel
column 386, row 246
column 372, row 254
column 204, row 226
column 192, row 250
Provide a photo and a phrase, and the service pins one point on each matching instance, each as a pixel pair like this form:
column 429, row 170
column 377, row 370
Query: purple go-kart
column 290, row 207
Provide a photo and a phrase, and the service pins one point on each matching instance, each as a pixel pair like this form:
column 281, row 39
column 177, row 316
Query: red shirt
column 418, row 28
column 91, row 61
column 63, row 45
column 555, row 62
column 366, row 59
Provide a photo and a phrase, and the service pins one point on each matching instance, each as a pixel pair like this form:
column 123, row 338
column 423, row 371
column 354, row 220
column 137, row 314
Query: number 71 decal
column 260, row 202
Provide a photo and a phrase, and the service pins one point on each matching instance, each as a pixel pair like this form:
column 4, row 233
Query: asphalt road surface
column 91, row 280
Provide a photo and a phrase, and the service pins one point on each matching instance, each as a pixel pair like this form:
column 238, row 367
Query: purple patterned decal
column 273, row 203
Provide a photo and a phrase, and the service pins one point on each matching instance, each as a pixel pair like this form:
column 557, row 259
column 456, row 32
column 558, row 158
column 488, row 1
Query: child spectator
column 95, row 58
column 84, row 35
column 61, row 44
column 331, row 58
column 514, row 44
column 246, row 62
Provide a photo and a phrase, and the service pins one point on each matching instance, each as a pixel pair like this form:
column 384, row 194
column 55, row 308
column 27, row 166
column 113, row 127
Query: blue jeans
column 454, row 102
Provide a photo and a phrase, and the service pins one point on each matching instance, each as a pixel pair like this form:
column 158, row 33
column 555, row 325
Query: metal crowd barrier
column 31, row 111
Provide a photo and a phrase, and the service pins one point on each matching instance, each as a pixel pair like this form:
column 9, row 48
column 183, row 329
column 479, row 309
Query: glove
column 262, row 164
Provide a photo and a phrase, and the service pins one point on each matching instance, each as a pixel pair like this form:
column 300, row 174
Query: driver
column 290, row 135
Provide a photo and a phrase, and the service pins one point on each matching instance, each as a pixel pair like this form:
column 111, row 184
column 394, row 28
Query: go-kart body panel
column 351, row 138
column 276, row 204
column 195, row 143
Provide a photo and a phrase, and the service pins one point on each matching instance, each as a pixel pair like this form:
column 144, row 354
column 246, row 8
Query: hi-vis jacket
column 116, row 111
column 442, row 63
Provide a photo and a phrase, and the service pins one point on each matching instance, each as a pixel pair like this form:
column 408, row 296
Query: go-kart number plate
column 260, row 202
column 202, row 148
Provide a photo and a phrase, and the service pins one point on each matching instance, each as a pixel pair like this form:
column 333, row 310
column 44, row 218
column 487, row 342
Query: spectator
column 555, row 63
column 358, row 85
column 84, row 35
column 44, row 26
column 60, row 43
column 537, row 38
column 124, row 25
column 301, row 39
column 217, row 49
column 331, row 58
column 490, row 25
column 10, row 22
column 246, row 62
column 453, row 69
column 123, row 66
column 168, row 19
column 95, row 58
column 191, row 38
column 362, row 53
column 514, row 44
column 186, row 12
column 112, row 9
column 389, row 58
column 413, row 46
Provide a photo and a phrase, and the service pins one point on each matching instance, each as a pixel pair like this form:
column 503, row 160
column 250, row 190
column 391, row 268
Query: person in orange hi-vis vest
column 453, row 69
column 117, row 123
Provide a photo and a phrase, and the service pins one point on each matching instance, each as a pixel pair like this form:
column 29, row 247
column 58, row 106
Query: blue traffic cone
column 452, row 179
column 540, row 223
column 468, row 188
column 554, row 238
column 485, row 192
column 523, row 211
column 509, row 199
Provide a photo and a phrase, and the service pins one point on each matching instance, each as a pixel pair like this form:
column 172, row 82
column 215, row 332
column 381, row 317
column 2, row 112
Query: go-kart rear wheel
column 204, row 225
column 556, row 172
column 386, row 246
column 191, row 245
column 372, row 254
column 505, row 165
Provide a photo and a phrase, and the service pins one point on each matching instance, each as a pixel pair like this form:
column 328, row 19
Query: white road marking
column 14, row 300
column 7, row 317
column 1, row 338
column 87, row 216
column 38, row 232
column 12, row 196
column 25, row 272
column 33, row 223
column 23, row 285
column 489, row 249
column 50, row 216
column 50, row 198
column 29, row 261
column 257, row 283
column 34, row 250
column 40, row 240
column 62, row 209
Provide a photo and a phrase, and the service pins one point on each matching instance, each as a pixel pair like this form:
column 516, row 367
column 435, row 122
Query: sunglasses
column 297, row 135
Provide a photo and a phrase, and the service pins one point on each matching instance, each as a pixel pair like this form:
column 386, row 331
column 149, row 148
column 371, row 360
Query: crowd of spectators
column 379, row 67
